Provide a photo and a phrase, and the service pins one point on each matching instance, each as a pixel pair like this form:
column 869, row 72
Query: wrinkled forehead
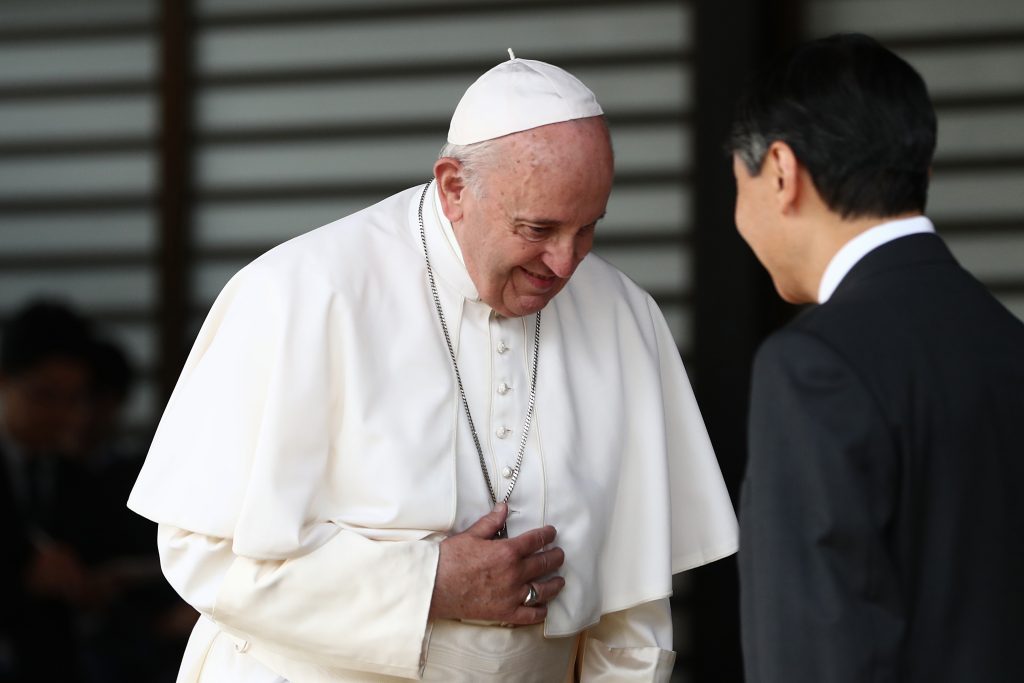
column 565, row 185
column 583, row 144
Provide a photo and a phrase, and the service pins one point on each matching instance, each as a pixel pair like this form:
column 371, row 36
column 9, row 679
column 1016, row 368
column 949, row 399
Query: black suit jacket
column 882, row 513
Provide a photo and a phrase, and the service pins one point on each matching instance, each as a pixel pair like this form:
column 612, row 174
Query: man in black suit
column 882, row 514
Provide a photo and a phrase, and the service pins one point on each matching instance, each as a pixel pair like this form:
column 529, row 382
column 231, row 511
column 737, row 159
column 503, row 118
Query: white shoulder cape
column 319, row 396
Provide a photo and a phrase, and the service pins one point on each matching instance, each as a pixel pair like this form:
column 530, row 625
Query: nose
column 562, row 257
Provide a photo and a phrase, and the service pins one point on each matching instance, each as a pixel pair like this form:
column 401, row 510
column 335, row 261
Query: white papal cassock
column 314, row 453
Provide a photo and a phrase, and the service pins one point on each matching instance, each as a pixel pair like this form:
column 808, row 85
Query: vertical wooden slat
column 175, row 185
column 735, row 305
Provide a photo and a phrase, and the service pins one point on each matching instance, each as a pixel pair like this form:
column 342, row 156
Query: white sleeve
column 350, row 604
column 634, row 644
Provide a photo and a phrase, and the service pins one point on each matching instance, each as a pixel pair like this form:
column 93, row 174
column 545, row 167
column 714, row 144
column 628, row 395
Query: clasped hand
column 481, row 578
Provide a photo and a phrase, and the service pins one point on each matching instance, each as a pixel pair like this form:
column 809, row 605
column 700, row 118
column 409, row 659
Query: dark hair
column 856, row 116
column 41, row 331
column 113, row 373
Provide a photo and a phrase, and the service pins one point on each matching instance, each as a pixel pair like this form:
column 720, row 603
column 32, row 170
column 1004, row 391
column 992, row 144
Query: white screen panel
column 318, row 161
column 665, row 209
column 981, row 131
column 37, row 234
column 262, row 224
column 987, row 195
column 398, row 40
column 120, row 288
column 969, row 70
column 32, row 13
column 217, row 6
column 78, row 60
column 390, row 101
column 883, row 18
column 995, row 256
column 655, row 268
column 628, row 89
column 666, row 148
column 120, row 172
column 77, row 118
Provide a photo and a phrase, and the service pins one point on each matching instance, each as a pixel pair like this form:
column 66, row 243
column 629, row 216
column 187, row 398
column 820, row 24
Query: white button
column 506, row 472
column 503, row 388
column 502, row 347
column 502, row 432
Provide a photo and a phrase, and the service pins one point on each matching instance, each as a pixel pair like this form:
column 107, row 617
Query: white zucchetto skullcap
column 518, row 95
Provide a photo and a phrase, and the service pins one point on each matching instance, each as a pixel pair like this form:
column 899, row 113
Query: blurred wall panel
column 440, row 31
column 77, row 160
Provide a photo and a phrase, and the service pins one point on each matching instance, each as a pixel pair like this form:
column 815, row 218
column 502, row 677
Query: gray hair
column 478, row 156
column 751, row 146
column 474, row 158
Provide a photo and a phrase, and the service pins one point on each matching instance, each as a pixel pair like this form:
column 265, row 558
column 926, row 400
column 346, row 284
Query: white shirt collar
column 857, row 248
column 445, row 254
column 446, row 225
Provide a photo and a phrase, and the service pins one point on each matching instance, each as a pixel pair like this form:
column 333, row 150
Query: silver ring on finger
column 532, row 598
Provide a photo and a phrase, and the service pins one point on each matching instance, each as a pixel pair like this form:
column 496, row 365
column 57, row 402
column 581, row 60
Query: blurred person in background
column 882, row 514
column 45, row 377
column 80, row 568
column 134, row 626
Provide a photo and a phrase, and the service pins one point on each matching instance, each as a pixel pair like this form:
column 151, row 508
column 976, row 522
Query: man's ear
column 451, row 185
column 785, row 169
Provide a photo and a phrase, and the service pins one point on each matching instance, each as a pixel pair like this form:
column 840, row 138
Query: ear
column 785, row 169
column 451, row 187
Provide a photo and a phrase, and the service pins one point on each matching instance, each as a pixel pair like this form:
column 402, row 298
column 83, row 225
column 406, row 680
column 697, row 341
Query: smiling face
column 532, row 222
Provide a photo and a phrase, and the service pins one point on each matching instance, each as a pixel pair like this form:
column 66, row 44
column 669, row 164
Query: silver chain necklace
column 503, row 533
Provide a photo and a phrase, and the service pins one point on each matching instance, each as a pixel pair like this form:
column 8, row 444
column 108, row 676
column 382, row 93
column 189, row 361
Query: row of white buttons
column 503, row 432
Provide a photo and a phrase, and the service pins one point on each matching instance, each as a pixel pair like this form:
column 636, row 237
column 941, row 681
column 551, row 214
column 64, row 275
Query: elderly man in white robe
column 378, row 463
